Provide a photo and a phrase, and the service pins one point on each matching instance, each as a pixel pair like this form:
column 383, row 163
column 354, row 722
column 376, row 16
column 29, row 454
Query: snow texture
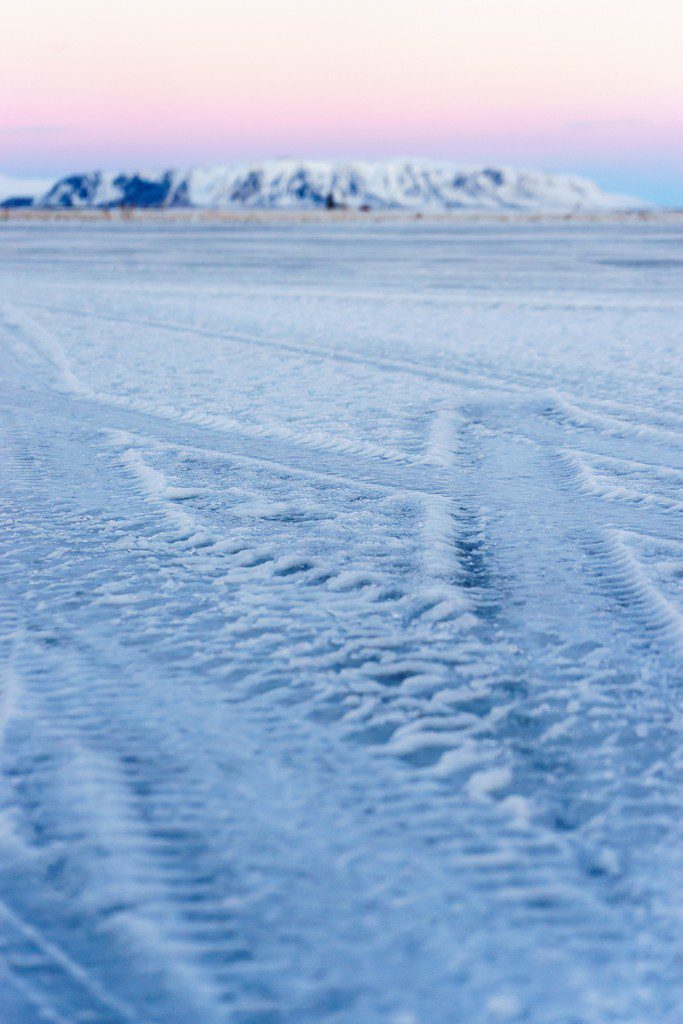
column 291, row 184
column 341, row 621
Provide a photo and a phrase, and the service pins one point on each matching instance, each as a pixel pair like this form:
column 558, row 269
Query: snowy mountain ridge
column 21, row 191
column 308, row 184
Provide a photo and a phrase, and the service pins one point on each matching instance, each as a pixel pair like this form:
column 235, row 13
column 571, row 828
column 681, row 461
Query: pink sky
column 575, row 85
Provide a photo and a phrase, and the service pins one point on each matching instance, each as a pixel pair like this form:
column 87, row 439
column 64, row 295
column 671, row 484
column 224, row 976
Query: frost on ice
column 341, row 621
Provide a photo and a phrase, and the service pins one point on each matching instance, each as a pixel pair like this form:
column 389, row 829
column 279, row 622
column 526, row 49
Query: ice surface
column 342, row 622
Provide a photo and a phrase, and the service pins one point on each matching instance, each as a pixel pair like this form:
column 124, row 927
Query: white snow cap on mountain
column 307, row 184
column 12, row 186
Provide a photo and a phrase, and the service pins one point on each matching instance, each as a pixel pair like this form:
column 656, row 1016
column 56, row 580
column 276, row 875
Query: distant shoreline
column 259, row 216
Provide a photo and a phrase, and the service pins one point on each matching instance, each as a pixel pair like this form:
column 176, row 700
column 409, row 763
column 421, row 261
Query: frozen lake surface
column 341, row 616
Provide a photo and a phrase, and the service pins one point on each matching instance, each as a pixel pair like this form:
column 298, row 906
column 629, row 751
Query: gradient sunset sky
column 593, row 86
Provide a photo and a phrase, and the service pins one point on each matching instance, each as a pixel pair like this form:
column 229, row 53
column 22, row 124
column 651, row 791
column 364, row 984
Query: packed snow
column 295, row 184
column 342, row 621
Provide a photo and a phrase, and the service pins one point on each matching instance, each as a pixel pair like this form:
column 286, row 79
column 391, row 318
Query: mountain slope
column 18, row 191
column 291, row 184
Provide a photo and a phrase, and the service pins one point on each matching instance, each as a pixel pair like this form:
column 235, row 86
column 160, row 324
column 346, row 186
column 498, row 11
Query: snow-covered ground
column 342, row 624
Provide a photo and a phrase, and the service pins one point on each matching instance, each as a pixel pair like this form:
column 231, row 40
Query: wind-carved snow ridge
column 33, row 337
column 444, row 437
column 168, row 498
column 446, row 598
column 625, row 480
column 307, row 184
column 633, row 561
column 617, row 426
column 315, row 440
